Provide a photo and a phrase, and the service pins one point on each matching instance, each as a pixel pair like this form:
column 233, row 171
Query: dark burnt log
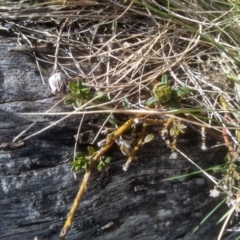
column 37, row 186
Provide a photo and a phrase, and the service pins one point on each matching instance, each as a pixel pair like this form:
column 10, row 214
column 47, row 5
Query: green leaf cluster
column 103, row 162
column 175, row 128
column 78, row 93
column 82, row 160
column 164, row 94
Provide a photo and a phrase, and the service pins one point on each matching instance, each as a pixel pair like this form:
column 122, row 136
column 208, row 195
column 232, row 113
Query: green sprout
column 78, row 93
column 82, row 160
column 177, row 128
column 164, row 94
column 103, row 162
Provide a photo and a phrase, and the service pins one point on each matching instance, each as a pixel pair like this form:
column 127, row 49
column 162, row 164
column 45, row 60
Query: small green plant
column 103, row 161
column 78, row 93
column 177, row 127
column 148, row 138
column 164, row 94
column 82, row 160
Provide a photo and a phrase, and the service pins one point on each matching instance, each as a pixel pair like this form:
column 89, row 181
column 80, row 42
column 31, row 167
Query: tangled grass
column 121, row 48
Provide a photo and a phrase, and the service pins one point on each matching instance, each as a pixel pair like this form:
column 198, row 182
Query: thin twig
column 55, row 66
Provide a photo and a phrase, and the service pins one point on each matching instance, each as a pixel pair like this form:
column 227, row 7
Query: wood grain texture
column 37, row 186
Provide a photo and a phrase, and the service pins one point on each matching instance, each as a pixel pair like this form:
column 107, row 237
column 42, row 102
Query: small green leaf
column 79, row 83
column 72, row 86
column 100, row 166
column 107, row 160
column 150, row 101
column 112, row 119
column 85, row 166
column 180, row 128
column 68, row 101
column 103, row 162
column 85, row 91
column 183, row 91
column 79, row 155
column 174, row 95
column 113, row 26
column 101, row 96
column 173, row 130
column 91, row 150
column 75, row 168
column 148, row 138
column 76, row 165
column 164, row 79
column 126, row 104
column 173, row 104
column 71, row 95
column 77, row 92
column 79, row 102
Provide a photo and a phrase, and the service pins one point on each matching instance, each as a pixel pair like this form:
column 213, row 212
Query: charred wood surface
column 37, row 187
